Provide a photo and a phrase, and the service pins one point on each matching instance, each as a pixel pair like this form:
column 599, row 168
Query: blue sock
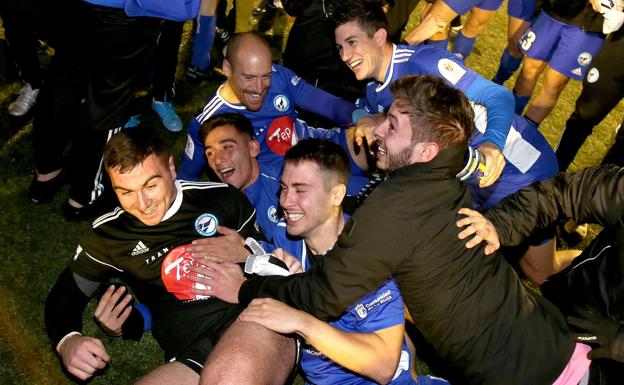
column 439, row 43
column 463, row 45
column 521, row 102
column 508, row 65
column 202, row 41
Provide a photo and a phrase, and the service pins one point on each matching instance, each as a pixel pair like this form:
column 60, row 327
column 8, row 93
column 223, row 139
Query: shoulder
column 215, row 104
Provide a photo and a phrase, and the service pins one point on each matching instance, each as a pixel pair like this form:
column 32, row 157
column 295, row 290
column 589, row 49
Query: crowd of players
column 361, row 217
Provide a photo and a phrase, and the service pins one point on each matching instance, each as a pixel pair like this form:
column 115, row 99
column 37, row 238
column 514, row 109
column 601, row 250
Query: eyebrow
column 228, row 140
column 144, row 184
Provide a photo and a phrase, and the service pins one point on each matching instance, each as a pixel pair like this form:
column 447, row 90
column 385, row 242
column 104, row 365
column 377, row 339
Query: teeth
column 382, row 150
column 294, row 217
column 355, row 63
column 226, row 170
column 150, row 211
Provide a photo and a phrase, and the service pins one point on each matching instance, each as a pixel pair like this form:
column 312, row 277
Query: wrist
column 63, row 340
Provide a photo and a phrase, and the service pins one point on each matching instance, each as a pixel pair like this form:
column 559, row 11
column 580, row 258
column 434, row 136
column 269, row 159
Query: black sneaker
column 85, row 213
column 43, row 192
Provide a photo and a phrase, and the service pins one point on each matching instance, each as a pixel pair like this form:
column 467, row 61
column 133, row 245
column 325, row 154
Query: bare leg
column 515, row 29
column 477, row 20
column 250, row 354
column 540, row 262
column 440, row 8
column 171, row 373
column 554, row 83
column 531, row 70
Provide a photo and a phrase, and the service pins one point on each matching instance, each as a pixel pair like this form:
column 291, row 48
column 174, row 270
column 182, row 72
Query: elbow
column 384, row 371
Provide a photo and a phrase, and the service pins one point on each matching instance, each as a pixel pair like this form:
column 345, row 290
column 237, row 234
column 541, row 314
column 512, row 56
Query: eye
column 351, row 42
column 150, row 186
column 209, row 153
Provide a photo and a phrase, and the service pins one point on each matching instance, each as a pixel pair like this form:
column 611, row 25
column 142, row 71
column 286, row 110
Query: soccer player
column 560, row 44
column 140, row 242
column 268, row 95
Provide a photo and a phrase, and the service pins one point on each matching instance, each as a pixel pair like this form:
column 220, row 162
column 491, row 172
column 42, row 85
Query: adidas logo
column 577, row 71
column 140, row 248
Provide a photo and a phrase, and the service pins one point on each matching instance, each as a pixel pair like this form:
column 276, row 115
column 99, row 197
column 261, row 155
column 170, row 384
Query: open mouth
column 381, row 151
column 226, row 172
column 354, row 64
column 293, row 217
column 150, row 211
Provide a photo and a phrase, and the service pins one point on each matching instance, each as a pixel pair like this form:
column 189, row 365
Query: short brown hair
column 130, row 147
column 329, row 156
column 234, row 119
column 437, row 112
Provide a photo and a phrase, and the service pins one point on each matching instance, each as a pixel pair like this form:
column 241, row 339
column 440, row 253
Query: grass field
column 36, row 241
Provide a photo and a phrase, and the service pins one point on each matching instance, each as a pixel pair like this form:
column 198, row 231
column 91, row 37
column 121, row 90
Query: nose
column 144, row 200
column 219, row 157
column 345, row 54
column 379, row 132
column 286, row 198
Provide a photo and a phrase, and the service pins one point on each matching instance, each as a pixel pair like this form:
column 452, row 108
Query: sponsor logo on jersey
column 593, row 75
column 174, row 273
column 380, row 108
column 295, row 80
column 206, row 224
column 577, row 71
column 189, row 149
column 381, row 298
column 361, row 310
column 584, row 58
column 281, row 135
column 281, row 103
column 272, row 214
column 140, row 248
column 156, row 255
column 450, row 70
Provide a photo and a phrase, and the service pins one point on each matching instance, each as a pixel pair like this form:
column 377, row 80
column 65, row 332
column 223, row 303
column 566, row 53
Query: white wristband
column 58, row 346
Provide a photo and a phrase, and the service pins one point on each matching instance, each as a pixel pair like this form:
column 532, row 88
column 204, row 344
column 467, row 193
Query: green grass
column 36, row 242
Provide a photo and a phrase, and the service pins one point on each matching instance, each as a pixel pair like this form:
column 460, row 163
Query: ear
column 172, row 169
column 337, row 194
column 380, row 36
column 226, row 68
column 254, row 148
column 429, row 151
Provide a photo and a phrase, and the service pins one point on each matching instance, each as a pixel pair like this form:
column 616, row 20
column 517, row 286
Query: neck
column 326, row 234
column 255, row 173
column 228, row 94
column 385, row 64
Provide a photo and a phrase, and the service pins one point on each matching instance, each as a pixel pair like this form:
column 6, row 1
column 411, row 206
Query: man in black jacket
column 591, row 290
column 474, row 311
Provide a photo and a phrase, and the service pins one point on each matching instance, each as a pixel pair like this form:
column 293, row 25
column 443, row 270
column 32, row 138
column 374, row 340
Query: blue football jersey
column 431, row 60
column 380, row 309
column 264, row 196
column 275, row 125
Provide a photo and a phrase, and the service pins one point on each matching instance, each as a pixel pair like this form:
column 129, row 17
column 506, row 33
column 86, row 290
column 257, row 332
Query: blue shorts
column 521, row 9
column 463, row 6
column 529, row 159
column 566, row 48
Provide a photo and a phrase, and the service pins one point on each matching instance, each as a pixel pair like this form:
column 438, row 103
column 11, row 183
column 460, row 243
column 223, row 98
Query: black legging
column 597, row 99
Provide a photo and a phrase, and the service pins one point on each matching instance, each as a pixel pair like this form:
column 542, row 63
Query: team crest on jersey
column 450, row 70
column 361, row 310
column 281, row 135
column 584, row 58
column 272, row 214
column 189, row 149
column 593, row 75
column 281, row 103
column 206, row 224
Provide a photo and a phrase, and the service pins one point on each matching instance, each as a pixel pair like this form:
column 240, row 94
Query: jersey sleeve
column 243, row 214
column 594, row 195
column 380, row 311
column 92, row 259
column 193, row 159
column 312, row 99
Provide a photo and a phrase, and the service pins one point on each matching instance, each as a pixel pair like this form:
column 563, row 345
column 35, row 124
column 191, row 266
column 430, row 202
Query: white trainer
column 26, row 99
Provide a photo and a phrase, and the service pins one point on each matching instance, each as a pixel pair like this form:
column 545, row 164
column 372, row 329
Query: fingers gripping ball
column 175, row 272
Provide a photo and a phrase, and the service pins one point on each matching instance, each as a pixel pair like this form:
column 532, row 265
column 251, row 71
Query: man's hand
column 110, row 312
column 294, row 266
column 222, row 280
column 228, row 248
column 364, row 131
column 430, row 25
column 482, row 229
column 83, row 356
column 605, row 335
column 494, row 164
column 274, row 315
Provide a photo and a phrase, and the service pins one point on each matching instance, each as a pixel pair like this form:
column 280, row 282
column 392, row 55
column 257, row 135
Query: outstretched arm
column 374, row 355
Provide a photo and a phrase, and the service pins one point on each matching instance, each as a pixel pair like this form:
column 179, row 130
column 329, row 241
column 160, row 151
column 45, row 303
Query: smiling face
column 232, row 156
column 148, row 190
column 364, row 55
column 249, row 75
column 394, row 141
column 306, row 199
